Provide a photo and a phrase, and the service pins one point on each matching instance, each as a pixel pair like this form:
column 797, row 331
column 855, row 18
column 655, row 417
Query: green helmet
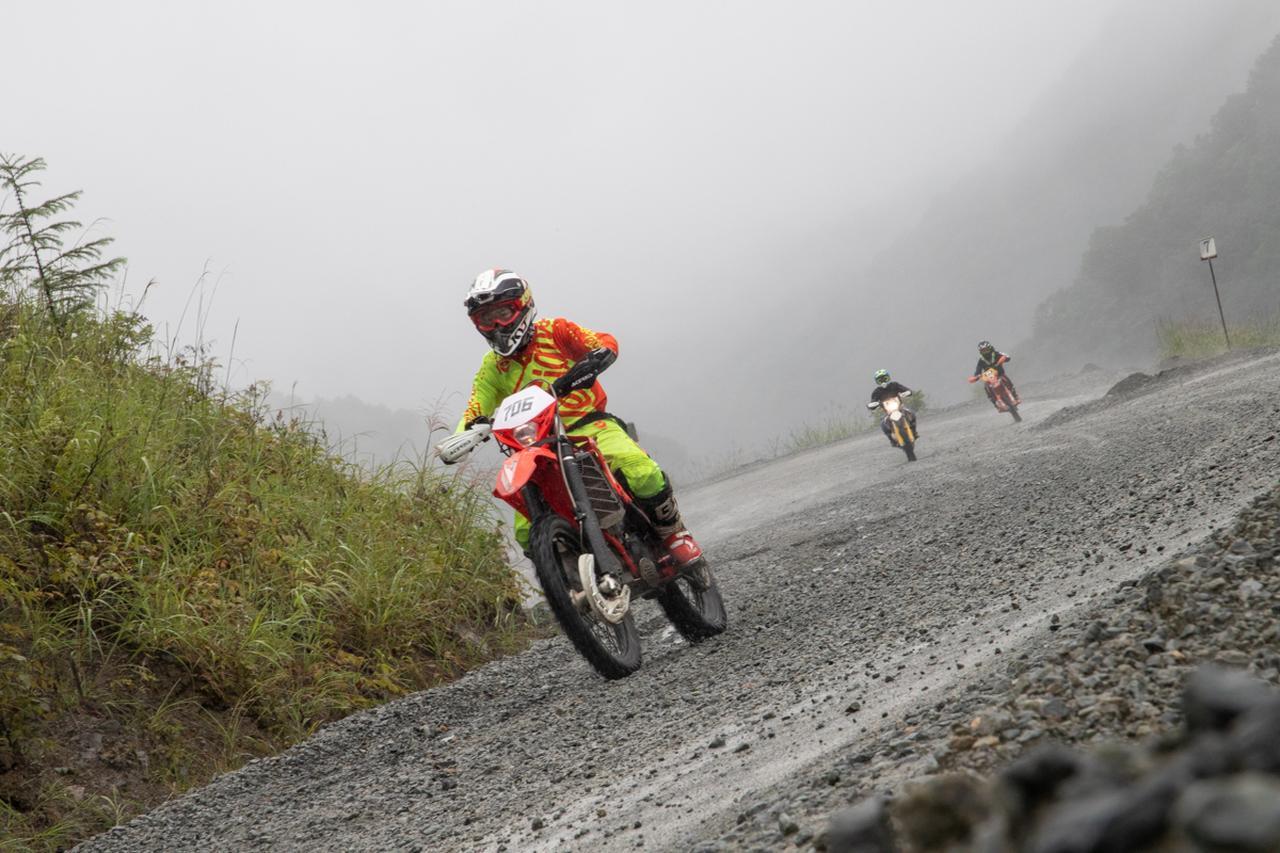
column 881, row 377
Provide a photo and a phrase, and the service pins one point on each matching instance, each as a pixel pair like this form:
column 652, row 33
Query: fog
column 728, row 190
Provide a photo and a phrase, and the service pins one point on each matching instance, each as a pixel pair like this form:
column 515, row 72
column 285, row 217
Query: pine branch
column 37, row 254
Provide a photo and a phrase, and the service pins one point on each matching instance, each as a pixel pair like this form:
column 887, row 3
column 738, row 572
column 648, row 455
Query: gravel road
column 863, row 592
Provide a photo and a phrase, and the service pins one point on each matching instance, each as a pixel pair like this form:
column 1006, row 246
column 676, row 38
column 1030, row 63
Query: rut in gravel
column 853, row 582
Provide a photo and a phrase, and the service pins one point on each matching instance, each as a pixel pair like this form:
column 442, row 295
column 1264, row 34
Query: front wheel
column 612, row 650
column 693, row 604
column 910, row 449
column 1013, row 410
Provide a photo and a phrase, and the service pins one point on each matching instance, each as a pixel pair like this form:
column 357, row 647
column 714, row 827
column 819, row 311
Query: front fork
column 598, row 566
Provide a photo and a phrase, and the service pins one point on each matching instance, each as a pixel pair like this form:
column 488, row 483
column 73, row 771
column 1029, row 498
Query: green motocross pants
column 623, row 456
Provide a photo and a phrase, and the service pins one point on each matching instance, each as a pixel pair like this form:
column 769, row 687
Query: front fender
column 518, row 470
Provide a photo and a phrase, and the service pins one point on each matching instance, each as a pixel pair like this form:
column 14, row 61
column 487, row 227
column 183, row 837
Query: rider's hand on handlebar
column 584, row 373
column 456, row 447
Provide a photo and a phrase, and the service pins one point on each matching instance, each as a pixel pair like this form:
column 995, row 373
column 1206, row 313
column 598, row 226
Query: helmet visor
column 489, row 317
column 882, row 378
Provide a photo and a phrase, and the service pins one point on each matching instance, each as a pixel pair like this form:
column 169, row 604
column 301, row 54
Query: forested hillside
column 1010, row 231
column 1146, row 272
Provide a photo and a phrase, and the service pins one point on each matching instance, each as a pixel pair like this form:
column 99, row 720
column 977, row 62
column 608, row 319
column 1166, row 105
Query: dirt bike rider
column 990, row 358
column 888, row 387
column 565, row 358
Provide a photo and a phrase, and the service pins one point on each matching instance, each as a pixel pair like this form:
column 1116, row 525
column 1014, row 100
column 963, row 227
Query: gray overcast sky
column 350, row 167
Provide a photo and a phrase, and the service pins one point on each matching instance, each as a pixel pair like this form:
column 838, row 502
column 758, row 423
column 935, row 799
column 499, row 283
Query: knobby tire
column 696, row 613
column 556, row 546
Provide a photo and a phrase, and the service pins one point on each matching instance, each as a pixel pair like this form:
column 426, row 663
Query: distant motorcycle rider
column 565, row 358
column 990, row 358
column 886, row 386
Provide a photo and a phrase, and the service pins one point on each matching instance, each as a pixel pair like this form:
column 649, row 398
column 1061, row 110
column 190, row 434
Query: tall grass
column 1200, row 339
column 150, row 520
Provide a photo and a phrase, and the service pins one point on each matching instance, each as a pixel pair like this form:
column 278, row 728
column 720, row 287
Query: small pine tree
column 36, row 256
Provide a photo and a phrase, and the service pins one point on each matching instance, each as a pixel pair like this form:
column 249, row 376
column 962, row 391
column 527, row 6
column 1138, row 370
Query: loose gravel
column 1195, row 762
column 875, row 607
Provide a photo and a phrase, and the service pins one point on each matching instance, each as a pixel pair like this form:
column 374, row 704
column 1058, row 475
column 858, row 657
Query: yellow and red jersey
column 557, row 345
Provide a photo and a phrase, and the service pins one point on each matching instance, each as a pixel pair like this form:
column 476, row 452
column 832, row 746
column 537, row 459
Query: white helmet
column 500, row 303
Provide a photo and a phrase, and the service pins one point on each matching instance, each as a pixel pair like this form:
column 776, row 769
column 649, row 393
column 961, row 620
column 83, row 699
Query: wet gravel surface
column 1175, row 674
column 873, row 605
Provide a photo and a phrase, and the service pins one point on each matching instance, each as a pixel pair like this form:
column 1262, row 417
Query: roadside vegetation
column 1203, row 339
column 186, row 579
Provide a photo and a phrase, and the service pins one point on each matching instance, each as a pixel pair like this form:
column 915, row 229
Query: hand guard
column 456, row 447
column 584, row 373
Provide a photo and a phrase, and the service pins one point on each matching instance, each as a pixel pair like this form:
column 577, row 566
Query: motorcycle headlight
column 891, row 404
column 526, row 434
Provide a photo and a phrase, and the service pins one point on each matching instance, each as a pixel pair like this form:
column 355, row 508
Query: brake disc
column 610, row 608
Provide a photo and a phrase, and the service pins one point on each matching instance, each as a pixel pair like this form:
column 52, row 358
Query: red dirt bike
column 593, row 549
column 1001, row 393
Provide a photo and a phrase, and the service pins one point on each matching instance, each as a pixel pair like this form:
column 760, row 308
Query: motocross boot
column 664, row 512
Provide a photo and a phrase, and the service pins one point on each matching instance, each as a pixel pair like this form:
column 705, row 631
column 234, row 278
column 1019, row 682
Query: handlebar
column 456, row 447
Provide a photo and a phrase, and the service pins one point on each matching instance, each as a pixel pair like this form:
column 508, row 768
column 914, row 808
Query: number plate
column 522, row 407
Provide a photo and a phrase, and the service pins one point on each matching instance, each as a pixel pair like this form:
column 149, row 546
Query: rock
column 1239, row 813
column 1241, row 546
column 536, row 824
column 1232, row 657
column 1035, row 777
column 1115, row 820
column 863, row 828
column 717, row 742
column 942, row 812
column 990, row 723
column 1055, row 709
column 1255, row 738
column 1214, row 698
column 1250, row 588
column 787, row 824
column 1154, row 644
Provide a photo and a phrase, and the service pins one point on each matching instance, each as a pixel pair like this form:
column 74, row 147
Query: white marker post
column 1209, row 251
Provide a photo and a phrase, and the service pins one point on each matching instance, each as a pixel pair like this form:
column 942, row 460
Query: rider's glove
column 584, row 373
column 456, row 447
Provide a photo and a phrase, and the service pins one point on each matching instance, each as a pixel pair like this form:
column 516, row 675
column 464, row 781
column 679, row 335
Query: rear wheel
column 612, row 650
column 693, row 604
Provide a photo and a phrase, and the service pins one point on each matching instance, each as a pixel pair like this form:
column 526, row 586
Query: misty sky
column 348, row 168
column 344, row 170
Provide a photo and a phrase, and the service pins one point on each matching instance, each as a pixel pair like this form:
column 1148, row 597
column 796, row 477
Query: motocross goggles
column 489, row 317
